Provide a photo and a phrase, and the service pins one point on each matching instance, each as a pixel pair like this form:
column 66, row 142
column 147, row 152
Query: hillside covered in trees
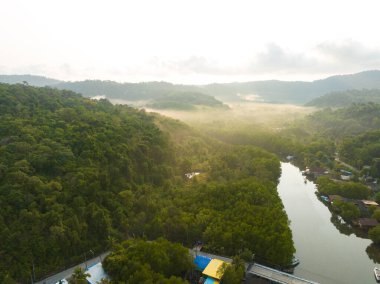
column 346, row 98
column 352, row 132
column 185, row 101
column 315, row 138
column 64, row 162
column 80, row 175
column 343, row 122
column 33, row 80
column 363, row 150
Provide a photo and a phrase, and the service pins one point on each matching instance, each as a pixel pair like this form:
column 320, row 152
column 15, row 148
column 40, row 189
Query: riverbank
column 326, row 255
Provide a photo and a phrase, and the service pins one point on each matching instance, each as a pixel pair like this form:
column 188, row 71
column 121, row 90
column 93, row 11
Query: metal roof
column 213, row 269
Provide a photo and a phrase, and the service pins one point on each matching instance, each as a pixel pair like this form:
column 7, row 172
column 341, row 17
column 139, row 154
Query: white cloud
column 324, row 58
column 188, row 40
column 276, row 59
column 350, row 54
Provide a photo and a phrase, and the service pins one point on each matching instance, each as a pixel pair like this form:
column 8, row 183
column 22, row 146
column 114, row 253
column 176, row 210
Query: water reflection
column 342, row 226
column 373, row 252
column 330, row 250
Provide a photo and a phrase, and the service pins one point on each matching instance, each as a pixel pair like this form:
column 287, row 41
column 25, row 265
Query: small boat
column 295, row 261
column 377, row 273
column 293, row 264
column 325, row 198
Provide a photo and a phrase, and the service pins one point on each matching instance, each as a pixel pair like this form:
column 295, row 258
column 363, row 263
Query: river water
column 326, row 255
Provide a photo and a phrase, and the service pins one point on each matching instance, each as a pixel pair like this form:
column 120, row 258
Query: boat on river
column 293, row 264
column 377, row 273
column 295, row 261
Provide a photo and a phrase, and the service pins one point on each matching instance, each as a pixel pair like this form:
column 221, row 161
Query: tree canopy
column 139, row 261
column 67, row 167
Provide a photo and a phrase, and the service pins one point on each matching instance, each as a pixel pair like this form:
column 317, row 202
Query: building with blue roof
column 201, row 262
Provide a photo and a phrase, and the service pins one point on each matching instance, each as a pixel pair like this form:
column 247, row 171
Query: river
column 327, row 256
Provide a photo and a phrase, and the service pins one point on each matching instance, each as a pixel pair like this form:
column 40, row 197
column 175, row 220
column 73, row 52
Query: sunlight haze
column 188, row 41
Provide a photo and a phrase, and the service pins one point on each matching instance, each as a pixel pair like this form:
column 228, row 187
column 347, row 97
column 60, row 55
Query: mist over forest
column 88, row 164
column 189, row 142
column 272, row 91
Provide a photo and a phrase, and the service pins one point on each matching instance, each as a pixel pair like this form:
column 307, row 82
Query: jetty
column 276, row 275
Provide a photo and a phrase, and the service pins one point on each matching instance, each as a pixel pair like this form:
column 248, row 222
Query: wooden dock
column 276, row 275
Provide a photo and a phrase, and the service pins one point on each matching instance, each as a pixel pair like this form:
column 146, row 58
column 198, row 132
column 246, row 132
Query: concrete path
column 346, row 165
column 66, row 273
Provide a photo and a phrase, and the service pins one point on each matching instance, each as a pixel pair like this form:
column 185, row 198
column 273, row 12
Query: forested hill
column 351, row 131
column 33, row 80
column 127, row 91
column 78, row 175
column 352, row 120
column 295, row 92
column 346, row 98
column 186, row 101
column 339, row 123
column 156, row 95
column 67, row 168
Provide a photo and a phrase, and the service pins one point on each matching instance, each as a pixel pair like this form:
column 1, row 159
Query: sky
column 197, row 41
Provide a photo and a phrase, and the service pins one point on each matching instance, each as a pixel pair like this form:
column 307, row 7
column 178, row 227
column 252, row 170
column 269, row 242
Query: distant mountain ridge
column 33, row 80
column 126, row 91
column 295, row 92
column 298, row 92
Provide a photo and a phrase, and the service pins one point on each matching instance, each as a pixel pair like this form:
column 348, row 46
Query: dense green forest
column 346, row 98
column 350, row 190
column 313, row 139
column 348, row 131
column 80, row 175
column 362, row 150
column 139, row 261
column 64, row 162
column 342, row 122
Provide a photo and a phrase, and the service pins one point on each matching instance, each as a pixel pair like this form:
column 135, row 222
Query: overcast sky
column 189, row 41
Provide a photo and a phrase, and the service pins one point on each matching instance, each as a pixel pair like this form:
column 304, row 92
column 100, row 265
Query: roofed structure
column 210, row 280
column 370, row 203
column 96, row 273
column 366, row 223
column 201, row 262
column 214, row 269
column 334, row 197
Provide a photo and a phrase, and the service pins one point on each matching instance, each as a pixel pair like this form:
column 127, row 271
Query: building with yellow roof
column 215, row 269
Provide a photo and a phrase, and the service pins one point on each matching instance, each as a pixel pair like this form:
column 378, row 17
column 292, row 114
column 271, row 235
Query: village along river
column 327, row 256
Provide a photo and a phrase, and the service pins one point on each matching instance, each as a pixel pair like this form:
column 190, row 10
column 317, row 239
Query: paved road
column 346, row 165
column 65, row 274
